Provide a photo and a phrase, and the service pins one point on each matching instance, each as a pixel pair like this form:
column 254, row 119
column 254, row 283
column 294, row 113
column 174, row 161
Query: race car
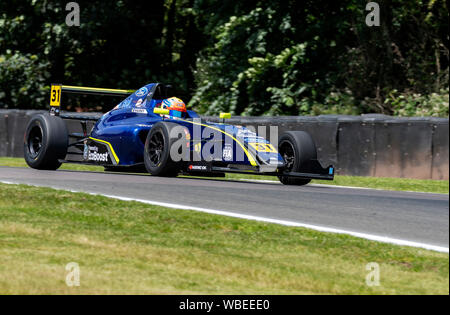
column 149, row 131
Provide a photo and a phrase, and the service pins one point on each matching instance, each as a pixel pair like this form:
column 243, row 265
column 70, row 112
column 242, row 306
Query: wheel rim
column 288, row 153
column 156, row 148
column 35, row 141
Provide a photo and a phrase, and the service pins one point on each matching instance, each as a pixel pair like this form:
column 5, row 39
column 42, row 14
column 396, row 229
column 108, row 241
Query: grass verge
column 399, row 184
column 20, row 162
column 128, row 247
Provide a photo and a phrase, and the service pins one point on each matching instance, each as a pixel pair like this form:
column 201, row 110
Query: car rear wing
column 57, row 90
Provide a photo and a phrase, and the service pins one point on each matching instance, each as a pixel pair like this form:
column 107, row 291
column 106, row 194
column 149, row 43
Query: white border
column 336, row 186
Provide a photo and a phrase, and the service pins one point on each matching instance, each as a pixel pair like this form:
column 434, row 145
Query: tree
column 283, row 57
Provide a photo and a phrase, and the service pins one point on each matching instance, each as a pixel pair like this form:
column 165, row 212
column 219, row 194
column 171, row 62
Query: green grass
column 400, row 184
column 130, row 247
column 20, row 162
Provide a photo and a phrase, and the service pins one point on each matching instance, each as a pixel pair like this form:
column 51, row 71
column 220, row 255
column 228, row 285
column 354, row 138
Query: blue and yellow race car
column 151, row 132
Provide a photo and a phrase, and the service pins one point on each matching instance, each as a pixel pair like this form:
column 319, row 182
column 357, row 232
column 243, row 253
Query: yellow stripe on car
column 110, row 146
column 82, row 88
column 249, row 156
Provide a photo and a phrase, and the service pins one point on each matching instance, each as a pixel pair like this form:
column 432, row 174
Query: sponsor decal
column 141, row 103
column 197, row 167
column 188, row 135
column 172, row 117
column 125, row 104
column 85, row 151
column 94, row 155
column 227, row 153
column 245, row 133
column 263, row 147
column 141, row 92
column 274, row 161
column 139, row 111
column 255, row 139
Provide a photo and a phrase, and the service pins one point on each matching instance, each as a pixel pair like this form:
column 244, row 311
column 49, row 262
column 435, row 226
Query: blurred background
column 251, row 58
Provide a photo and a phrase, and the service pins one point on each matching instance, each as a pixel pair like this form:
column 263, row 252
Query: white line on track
column 378, row 238
column 313, row 185
column 335, row 186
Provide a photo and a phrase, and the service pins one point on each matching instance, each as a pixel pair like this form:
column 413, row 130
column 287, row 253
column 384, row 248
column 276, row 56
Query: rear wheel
column 296, row 148
column 157, row 158
column 45, row 142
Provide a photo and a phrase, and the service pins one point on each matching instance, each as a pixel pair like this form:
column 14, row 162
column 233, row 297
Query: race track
column 416, row 217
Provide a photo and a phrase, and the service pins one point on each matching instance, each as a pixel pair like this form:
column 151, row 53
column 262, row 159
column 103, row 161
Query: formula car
column 141, row 135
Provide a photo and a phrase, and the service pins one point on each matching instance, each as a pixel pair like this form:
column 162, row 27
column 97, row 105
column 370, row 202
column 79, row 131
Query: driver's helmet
column 175, row 105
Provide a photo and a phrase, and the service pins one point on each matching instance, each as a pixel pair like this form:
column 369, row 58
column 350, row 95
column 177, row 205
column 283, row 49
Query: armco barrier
column 403, row 148
column 367, row 145
column 12, row 128
column 440, row 163
column 3, row 133
column 371, row 145
column 356, row 152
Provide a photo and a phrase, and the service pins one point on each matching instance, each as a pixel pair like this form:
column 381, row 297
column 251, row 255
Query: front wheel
column 296, row 148
column 157, row 158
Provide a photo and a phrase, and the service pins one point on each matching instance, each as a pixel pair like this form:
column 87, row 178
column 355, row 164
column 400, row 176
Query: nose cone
column 265, row 152
column 273, row 159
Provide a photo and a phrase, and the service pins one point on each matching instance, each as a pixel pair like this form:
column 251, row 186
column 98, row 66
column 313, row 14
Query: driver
column 175, row 105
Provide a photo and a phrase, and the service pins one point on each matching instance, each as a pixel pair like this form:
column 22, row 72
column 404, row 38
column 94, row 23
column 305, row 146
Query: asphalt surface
column 410, row 216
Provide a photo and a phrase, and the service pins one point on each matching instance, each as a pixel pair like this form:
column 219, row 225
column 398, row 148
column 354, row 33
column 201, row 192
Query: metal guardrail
column 367, row 145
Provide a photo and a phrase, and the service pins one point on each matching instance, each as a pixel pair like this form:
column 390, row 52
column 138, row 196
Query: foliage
column 318, row 57
column 415, row 104
column 124, row 44
column 23, row 79
column 247, row 57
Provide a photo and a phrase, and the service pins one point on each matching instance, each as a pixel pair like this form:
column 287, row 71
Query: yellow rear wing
column 56, row 91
